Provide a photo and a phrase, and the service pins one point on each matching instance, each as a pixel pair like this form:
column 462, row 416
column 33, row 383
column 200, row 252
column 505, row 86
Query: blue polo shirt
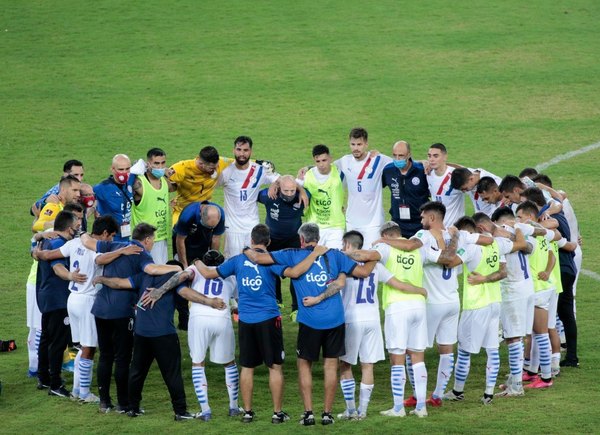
column 330, row 312
column 567, row 264
column 117, row 304
column 407, row 190
column 158, row 320
column 51, row 291
column 115, row 200
column 256, row 288
column 189, row 221
column 283, row 218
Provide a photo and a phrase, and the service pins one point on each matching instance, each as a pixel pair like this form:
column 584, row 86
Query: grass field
column 503, row 84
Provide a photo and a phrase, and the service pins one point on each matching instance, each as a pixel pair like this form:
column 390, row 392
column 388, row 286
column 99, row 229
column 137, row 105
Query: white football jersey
column 518, row 282
column 212, row 288
column 240, row 190
column 85, row 260
column 363, row 180
column 359, row 296
column 441, row 191
column 479, row 204
column 441, row 282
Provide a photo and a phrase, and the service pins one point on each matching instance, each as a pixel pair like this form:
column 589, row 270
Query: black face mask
column 287, row 198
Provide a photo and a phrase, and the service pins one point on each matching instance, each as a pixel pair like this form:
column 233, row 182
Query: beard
column 241, row 161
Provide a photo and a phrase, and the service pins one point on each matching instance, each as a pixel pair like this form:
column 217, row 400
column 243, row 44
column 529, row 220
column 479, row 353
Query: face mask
column 400, row 164
column 88, row 200
column 287, row 198
column 158, row 173
column 122, row 177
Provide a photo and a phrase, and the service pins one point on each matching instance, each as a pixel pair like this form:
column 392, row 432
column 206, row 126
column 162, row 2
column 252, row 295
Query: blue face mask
column 400, row 164
column 158, row 173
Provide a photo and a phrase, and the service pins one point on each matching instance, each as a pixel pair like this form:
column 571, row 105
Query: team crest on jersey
column 48, row 212
column 416, row 181
column 67, row 321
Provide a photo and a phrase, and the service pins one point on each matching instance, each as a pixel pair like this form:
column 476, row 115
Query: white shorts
column 235, row 243
column 364, row 340
column 479, row 328
column 370, row 234
column 34, row 316
column 442, row 323
column 216, row 333
column 83, row 322
column 552, row 310
column 543, row 298
column 331, row 237
column 516, row 317
column 160, row 252
column 406, row 329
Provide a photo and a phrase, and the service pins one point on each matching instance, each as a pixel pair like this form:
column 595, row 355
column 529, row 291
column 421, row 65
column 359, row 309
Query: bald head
column 120, row 168
column 401, row 147
column 210, row 215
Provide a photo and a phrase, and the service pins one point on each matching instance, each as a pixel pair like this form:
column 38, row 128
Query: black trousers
column 566, row 314
column 167, row 352
column 276, row 245
column 56, row 334
column 115, row 342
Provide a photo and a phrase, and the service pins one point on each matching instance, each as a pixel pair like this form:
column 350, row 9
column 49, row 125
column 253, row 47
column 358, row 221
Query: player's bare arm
column 405, row 287
column 205, row 271
column 364, row 270
column 475, row 278
column 193, row 296
column 154, row 294
column 257, row 257
column 363, row 255
column 109, row 257
column 113, row 282
column 333, row 288
column 61, row 271
column 301, row 268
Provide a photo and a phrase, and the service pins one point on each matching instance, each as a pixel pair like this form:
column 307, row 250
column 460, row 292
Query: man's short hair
column 310, row 232
column 143, row 230
column 64, row 220
column 320, row 149
column 213, row 258
column 542, row 179
column 359, row 133
column 502, row 212
column 480, row 218
column 510, row 183
column 439, row 146
column 528, row 207
column 261, row 235
column 105, row 223
column 485, row 184
column 70, row 163
column 465, row 223
column 209, row 154
column 459, row 178
column 67, row 181
column 243, row 139
column 390, row 228
column 73, row 207
column 528, row 172
column 354, row 239
column 434, row 207
column 155, row 152
column 535, row 195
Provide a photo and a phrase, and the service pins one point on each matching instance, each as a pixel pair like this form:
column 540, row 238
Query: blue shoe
column 69, row 366
column 31, row 373
column 204, row 416
column 234, row 412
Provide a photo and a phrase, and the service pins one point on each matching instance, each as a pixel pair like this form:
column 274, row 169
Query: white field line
column 561, row 158
column 566, row 156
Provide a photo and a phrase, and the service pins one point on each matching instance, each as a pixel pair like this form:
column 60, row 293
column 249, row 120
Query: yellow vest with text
column 326, row 200
column 555, row 276
column 537, row 263
column 154, row 208
column 482, row 295
column 406, row 266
